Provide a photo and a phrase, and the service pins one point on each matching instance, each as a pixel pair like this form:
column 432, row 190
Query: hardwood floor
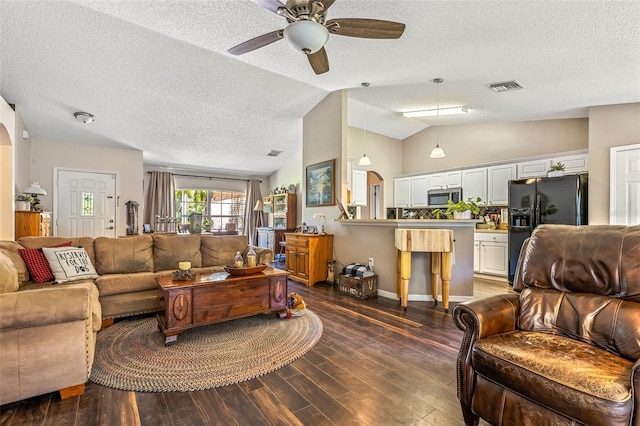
column 374, row 365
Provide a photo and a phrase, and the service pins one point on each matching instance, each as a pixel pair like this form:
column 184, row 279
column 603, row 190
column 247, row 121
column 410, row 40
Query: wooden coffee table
column 217, row 297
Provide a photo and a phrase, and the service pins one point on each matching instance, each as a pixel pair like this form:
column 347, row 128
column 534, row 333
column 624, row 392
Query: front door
column 86, row 204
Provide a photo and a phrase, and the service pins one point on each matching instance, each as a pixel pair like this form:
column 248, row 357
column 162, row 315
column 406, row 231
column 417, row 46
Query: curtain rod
column 212, row 177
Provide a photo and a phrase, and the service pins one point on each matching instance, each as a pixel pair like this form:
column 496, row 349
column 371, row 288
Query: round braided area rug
column 131, row 354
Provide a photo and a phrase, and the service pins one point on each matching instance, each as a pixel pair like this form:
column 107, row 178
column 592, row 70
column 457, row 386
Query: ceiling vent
column 505, row 86
column 274, row 153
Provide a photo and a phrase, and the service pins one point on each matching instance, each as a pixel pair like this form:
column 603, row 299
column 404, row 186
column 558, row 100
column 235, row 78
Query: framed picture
column 321, row 184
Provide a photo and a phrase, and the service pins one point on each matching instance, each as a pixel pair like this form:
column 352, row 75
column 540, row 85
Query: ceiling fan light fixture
column 85, row 117
column 306, row 36
column 435, row 112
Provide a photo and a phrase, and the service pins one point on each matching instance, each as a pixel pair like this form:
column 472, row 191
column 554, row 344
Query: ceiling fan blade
column 319, row 61
column 272, row 5
column 365, row 28
column 256, row 43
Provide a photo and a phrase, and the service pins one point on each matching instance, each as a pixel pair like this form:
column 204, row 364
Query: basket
column 361, row 288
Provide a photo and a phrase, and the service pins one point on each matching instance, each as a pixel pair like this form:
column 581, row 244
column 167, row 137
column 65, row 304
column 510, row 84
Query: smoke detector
column 505, row 86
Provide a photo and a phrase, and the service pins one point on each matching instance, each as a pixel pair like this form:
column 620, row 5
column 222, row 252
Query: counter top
column 412, row 223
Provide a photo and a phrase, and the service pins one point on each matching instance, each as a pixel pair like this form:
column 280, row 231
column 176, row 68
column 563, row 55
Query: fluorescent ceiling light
column 435, row 112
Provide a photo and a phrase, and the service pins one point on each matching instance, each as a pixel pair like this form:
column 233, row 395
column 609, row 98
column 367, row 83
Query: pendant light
column 364, row 161
column 437, row 152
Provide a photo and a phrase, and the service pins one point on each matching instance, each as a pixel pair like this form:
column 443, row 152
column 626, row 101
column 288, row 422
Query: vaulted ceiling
column 158, row 77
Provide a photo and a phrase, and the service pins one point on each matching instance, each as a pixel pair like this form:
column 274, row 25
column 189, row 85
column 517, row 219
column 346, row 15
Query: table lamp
column 324, row 220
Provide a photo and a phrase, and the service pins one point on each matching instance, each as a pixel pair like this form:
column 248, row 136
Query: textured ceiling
column 158, row 78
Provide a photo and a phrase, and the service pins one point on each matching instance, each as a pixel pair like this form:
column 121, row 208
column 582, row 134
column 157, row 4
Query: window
column 224, row 209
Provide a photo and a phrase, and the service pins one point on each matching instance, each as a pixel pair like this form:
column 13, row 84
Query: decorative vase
column 555, row 173
column 462, row 215
column 23, row 206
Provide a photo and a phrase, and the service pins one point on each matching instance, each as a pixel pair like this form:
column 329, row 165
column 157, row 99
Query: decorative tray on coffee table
column 245, row 270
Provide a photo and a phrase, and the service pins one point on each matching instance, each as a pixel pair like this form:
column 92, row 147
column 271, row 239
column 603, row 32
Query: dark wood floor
column 374, row 365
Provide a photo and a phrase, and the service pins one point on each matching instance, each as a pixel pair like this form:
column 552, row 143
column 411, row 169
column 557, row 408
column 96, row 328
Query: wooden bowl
column 245, row 270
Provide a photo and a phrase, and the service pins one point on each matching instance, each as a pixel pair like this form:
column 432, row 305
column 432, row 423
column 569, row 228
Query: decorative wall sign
column 320, row 184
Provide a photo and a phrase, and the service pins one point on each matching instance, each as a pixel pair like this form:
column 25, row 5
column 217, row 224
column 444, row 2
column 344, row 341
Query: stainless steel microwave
column 440, row 197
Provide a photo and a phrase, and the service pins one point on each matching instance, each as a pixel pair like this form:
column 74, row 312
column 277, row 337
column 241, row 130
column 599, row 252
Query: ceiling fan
column 308, row 29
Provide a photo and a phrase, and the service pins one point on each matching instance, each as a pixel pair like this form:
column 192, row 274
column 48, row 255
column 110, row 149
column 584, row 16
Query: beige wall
column 7, row 141
column 609, row 126
column 290, row 174
column 22, row 155
column 477, row 144
column 127, row 163
column 385, row 154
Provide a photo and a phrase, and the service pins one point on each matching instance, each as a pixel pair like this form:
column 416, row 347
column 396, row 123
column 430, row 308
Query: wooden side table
column 439, row 242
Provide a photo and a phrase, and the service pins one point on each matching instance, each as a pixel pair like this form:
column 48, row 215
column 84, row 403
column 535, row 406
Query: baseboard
column 422, row 297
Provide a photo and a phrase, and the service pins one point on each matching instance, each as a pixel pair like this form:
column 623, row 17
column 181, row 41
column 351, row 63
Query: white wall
column 22, row 156
column 127, row 163
column 476, row 144
column 613, row 125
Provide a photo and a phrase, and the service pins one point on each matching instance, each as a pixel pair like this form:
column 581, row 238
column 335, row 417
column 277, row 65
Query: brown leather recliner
column 565, row 348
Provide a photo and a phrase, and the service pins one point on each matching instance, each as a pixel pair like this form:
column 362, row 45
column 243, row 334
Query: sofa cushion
column 169, row 250
column 10, row 249
column 37, row 263
column 124, row 255
column 611, row 324
column 69, row 263
column 583, row 380
column 40, row 242
column 110, row 284
column 219, row 251
column 8, row 275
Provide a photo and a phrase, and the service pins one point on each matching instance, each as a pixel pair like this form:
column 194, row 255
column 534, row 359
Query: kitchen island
column 374, row 238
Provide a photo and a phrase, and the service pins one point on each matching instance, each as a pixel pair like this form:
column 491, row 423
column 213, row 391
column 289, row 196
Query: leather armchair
column 564, row 349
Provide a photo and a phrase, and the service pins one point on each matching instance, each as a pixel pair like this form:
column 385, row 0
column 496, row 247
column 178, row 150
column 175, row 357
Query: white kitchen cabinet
column 401, row 192
column 474, row 184
column 491, row 253
column 498, row 178
column 533, row 169
column 359, row 188
column 445, row 180
column 573, row 163
column 419, row 189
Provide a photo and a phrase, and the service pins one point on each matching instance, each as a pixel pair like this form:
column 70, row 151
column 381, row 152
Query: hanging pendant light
column 437, row 152
column 364, row 161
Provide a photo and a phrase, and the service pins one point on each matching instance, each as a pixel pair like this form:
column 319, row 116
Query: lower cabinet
column 308, row 256
column 491, row 253
column 32, row 224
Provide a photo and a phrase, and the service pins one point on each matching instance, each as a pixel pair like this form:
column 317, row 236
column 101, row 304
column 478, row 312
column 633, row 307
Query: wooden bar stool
column 439, row 242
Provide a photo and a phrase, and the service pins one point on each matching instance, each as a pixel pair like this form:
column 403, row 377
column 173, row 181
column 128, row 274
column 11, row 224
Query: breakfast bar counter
column 375, row 238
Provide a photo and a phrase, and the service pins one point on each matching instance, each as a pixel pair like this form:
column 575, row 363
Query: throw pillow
column 37, row 264
column 69, row 264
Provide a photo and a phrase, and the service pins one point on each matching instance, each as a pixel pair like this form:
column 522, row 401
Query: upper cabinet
column 539, row 168
column 498, row 178
column 401, row 192
column 283, row 208
column 359, row 188
column 419, row 190
column 445, row 180
column 474, row 184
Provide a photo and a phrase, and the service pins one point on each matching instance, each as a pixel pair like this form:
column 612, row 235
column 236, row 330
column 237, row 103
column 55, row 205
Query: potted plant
column 206, row 223
column 463, row 209
column 556, row 170
column 23, row 202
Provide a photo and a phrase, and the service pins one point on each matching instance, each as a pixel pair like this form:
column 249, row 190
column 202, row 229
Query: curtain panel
column 160, row 197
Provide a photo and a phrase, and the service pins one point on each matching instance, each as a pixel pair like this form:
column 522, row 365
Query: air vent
column 505, row 86
column 274, row 153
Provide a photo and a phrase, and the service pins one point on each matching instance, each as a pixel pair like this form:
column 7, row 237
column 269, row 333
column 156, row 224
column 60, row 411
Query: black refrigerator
column 533, row 202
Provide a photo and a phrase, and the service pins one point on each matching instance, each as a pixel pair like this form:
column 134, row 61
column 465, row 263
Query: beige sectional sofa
column 45, row 324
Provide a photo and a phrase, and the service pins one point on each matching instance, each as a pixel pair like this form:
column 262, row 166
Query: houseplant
column 556, row 170
column 23, row 202
column 463, row 209
column 206, row 223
